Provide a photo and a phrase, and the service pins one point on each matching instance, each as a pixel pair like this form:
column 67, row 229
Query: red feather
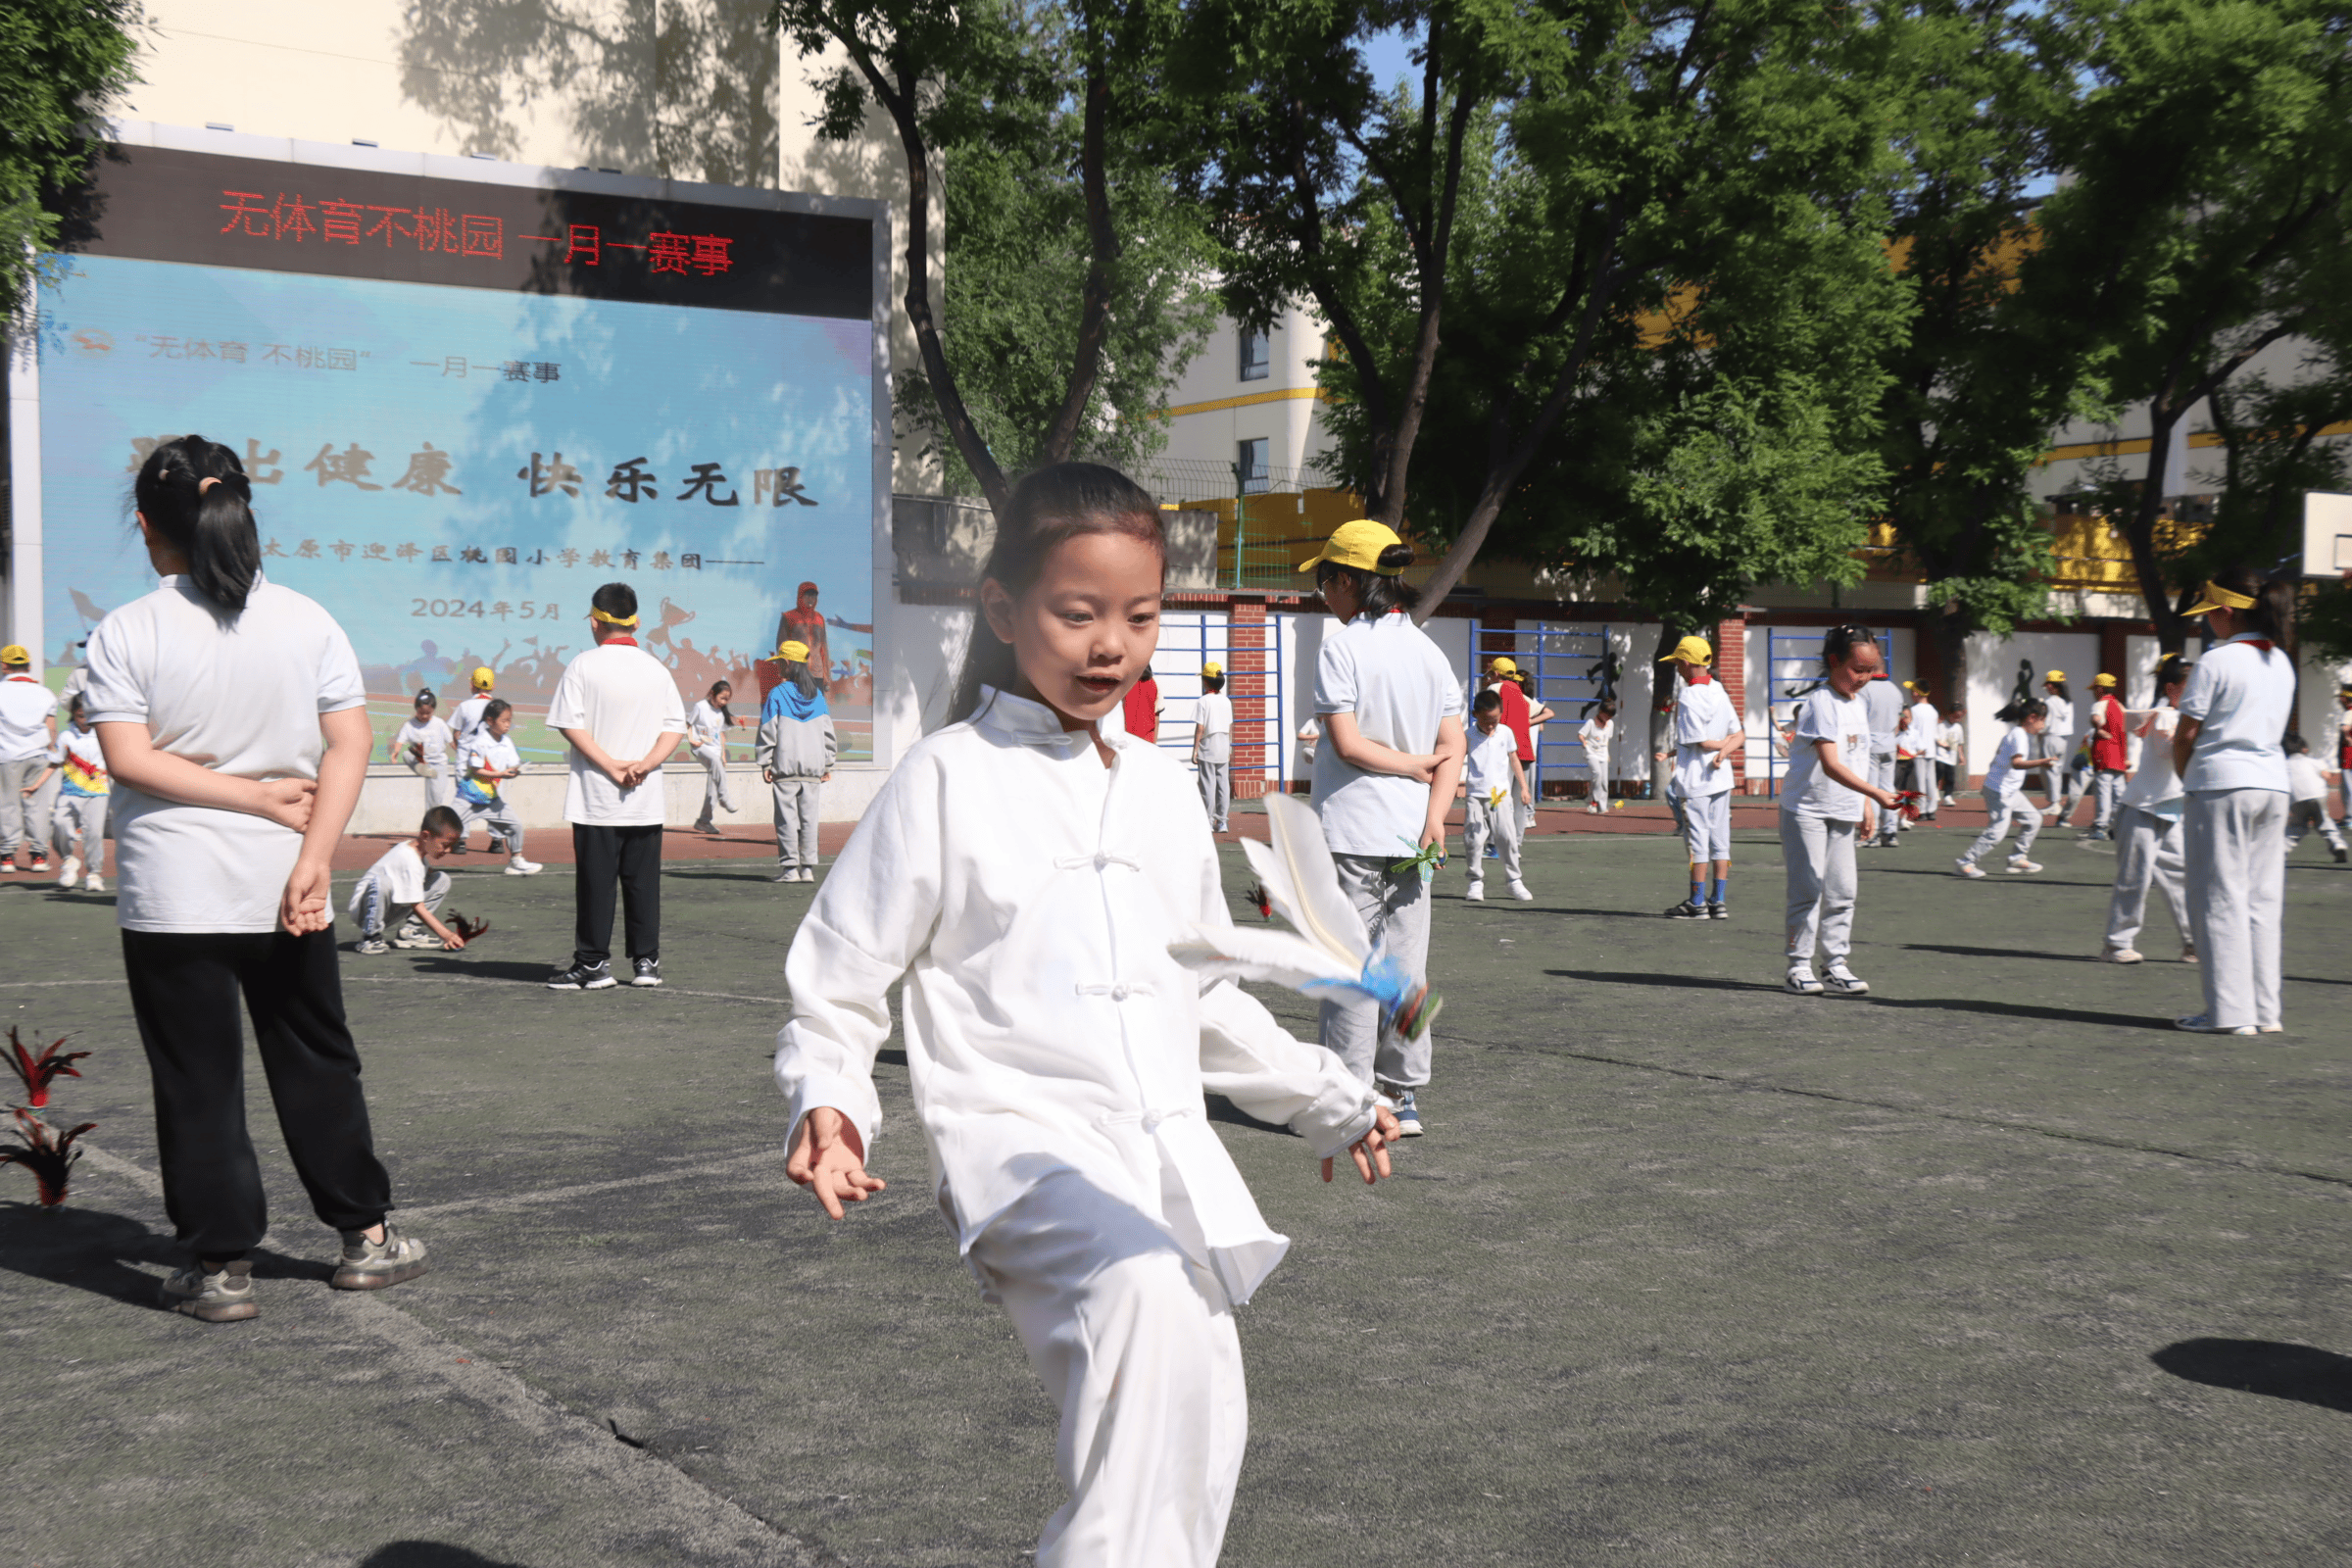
column 37, row 1071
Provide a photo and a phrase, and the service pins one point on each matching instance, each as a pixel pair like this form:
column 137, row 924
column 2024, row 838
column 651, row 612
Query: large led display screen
column 464, row 407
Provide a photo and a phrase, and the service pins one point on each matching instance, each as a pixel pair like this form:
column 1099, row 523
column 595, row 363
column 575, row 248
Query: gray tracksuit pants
column 23, row 822
column 378, row 911
column 78, row 826
column 1394, row 905
column 2236, row 863
column 1819, row 856
column 1216, row 791
column 795, row 822
column 2148, row 855
column 1999, row 813
column 1501, row 823
column 1881, row 773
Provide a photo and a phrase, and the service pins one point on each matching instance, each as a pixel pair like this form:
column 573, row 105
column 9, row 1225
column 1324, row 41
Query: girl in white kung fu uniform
column 1023, row 874
column 706, row 733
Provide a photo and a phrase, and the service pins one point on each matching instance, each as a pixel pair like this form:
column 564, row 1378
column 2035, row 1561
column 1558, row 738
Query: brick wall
column 1730, row 668
column 1245, row 684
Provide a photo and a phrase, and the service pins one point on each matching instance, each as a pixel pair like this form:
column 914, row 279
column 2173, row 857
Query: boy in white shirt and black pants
column 1493, row 780
column 1212, row 745
column 1705, row 734
column 619, row 708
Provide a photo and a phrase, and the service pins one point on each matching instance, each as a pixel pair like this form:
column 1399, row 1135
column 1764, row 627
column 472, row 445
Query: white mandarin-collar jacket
column 1027, row 896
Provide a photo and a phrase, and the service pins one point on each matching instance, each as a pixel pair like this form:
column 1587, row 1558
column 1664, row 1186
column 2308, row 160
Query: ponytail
column 1382, row 591
column 195, row 494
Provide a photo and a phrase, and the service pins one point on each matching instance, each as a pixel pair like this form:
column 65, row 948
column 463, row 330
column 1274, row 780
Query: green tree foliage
column 1648, row 228
column 2205, row 223
column 1979, row 384
column 61, row 64
column 1072, row 256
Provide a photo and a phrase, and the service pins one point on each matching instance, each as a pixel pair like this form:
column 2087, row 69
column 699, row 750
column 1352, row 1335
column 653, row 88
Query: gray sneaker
column 367, row 1265
column 415, row 936
column 222, row 1298
column 373, row 944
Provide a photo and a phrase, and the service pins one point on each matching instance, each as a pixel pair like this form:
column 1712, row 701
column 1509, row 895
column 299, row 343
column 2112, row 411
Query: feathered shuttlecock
column 1907, row 800
column 1494, row 797
column 48, row 1154
column 1260, row 901
column 470, row 930
column 1332, row 952
column 37, row 1071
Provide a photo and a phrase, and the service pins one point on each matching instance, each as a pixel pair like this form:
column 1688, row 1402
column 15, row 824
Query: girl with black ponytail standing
column 2233, row 719
column 235, row 723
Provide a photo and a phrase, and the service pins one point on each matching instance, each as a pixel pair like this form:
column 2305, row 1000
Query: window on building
column 1250, row 465
column 1258, row 355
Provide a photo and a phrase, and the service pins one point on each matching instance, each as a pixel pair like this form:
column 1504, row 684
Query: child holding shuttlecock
column 1045, row 887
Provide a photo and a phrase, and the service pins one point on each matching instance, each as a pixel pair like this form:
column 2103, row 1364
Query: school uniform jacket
column 1046, row 1028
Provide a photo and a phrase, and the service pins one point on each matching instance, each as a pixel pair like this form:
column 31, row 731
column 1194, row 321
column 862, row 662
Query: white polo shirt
column 1386, row 672
column 626, row 699
column 2242, row 695
column 1487, row 767
column 239, row 694
column 1213, row 715
column 1824, row 716
column 25, row 706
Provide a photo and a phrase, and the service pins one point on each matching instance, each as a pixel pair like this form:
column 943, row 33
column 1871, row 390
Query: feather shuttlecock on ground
column 471, row 930
column 37, row 1071
column 48, row 1154
column 1332, row 953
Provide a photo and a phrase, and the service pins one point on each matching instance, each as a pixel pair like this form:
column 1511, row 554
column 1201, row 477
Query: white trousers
column 2236, row 852
column 500, row 814
column 1999, row 813
column 2148, row 855
column 1881, row 773
column 1501, row 823
column 2302, row 816
column 23, row 819
column 1135, row 1346
column 1394, row 905
column 796, row 823
column 440, row 789
column 2108, row 798
column 714, row 792
column 78, row 826
column 1819, row 856
column 2077, row 786
column 1216, row 791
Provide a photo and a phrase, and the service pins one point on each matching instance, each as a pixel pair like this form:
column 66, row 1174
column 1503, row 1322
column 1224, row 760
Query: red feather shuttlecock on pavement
column 48, row 1154
column 1261, row 901
column 37, row 1071
column 471, row 930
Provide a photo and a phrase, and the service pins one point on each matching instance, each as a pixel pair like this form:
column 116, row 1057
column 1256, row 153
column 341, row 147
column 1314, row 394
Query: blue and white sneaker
column 1408, row 1115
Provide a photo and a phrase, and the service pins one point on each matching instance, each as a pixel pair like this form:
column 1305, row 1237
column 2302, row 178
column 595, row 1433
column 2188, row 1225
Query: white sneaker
column 93, row 883
column 71, row 872
column 1966, row 869
column 2198, row 1023
column 2122, row 956
column 1519, row 892
column 519, row 866
column 1476, row 892
column 1800, row 980
column 2019, row 865
column 1840, row 981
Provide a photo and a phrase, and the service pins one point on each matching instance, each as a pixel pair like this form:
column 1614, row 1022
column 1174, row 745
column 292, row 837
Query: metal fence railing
column 1573, row 668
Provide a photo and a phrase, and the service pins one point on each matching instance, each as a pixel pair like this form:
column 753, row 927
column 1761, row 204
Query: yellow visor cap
column 2102, row 679
column 483, row 679
column 16, row 654
column 1501, row 667
column 1356, row 544
column 2216, row 597
column 2055, row 677
column 793, row 653
column 1695, row 649
column 1212, row 670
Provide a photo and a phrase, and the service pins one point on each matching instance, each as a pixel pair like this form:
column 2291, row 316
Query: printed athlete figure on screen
column 804, row 623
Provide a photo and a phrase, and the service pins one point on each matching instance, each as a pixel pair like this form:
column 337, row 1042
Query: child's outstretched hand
column 1369, row 1150
column 828, row 1157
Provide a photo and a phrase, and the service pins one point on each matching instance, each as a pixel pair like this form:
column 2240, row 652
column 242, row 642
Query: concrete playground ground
column 1991, row 1267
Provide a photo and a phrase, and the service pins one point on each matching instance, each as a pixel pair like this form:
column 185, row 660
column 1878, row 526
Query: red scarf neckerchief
column 619, row 641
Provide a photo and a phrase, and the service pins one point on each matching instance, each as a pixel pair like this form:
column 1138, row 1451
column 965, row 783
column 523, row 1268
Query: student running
column 2022, row 750
column 1023, row 872
column 78, row 821
column 486, row 760
column 2147, row 828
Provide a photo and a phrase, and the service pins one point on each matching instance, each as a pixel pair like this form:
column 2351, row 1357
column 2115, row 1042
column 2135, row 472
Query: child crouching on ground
column 488, row 758
column 1493, row 780
column 2306, row 796
column 399, row 891
column 1023, row 871
column 797, row 747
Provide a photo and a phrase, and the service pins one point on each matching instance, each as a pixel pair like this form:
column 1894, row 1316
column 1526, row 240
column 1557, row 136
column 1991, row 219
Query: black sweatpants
column 184, row 989
column 632, row 855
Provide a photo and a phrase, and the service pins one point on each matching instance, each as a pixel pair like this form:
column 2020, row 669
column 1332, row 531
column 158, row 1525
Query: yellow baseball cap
column 1695, row 649
column 1211, row 670
column 2216, row 597
column 2054, row 677
column 1356, row 544
column 793, row 653
column 16, row 654
column 2102, row 679
column 484, row 679
column 1501, row 667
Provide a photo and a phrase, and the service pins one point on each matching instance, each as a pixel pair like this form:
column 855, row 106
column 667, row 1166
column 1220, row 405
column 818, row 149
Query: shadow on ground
column 2298, row 1372
column 93, row 1250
